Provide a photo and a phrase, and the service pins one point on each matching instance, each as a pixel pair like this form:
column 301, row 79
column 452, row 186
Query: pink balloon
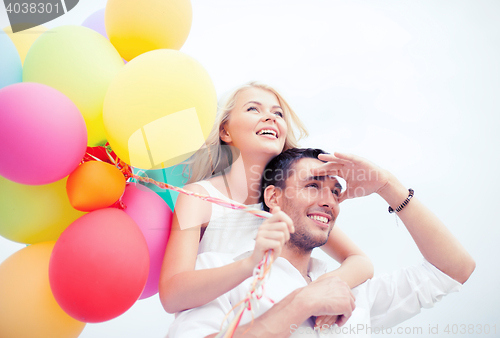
column 42, row 134
column 154, row 218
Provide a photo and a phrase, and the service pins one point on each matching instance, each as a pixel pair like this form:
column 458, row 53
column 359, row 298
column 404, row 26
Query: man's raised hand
column 362, row 177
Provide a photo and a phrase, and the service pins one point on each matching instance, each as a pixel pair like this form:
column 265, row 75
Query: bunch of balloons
column 71, row 110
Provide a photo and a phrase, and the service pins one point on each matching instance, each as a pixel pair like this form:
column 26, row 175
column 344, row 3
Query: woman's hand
column 272, row 234
column 325, row 322
column 362, row 177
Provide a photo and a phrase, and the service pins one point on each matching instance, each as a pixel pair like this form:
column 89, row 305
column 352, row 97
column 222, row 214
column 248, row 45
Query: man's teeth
column 319, row 218
column 267, row 131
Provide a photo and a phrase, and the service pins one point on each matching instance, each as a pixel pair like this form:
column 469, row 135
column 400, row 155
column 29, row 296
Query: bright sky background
column 412, row 85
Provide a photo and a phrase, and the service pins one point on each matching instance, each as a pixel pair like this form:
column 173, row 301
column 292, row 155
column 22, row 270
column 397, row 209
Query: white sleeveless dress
column 229, row 231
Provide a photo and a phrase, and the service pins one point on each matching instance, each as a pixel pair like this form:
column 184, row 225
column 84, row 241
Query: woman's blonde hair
column 216, row 156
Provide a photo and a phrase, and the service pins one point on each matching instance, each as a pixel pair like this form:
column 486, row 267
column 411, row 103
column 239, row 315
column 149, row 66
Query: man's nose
column 328, row 198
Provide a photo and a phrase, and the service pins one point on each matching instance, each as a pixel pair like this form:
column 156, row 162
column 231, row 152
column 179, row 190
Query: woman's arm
column 181, row 286
column 355, row 267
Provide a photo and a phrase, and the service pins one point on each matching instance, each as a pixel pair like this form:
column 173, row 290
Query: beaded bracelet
column 405, row 202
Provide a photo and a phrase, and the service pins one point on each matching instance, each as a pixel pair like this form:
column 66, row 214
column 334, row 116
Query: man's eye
column 280, row 114
column 312, row 185
column 336, row 192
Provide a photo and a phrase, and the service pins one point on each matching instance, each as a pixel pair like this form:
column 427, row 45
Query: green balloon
column 34, row 213
column 80, row 63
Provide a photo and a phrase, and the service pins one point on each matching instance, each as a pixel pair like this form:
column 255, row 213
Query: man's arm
column 436, row 243
column 326, row 296
column 434, row 240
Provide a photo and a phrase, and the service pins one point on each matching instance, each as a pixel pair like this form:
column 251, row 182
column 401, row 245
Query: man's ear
column 272, row 196
column 224, row 135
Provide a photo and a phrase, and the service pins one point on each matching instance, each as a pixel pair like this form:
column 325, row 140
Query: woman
column 254, row 125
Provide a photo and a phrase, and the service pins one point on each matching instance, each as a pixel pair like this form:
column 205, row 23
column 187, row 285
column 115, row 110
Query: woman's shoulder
column 186, row 203
column 211, row 186
column 197, row 187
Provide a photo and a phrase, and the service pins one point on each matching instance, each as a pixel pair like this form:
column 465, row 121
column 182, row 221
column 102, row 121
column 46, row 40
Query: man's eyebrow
column 260, row 104
column 322, row 178
column 315, row 178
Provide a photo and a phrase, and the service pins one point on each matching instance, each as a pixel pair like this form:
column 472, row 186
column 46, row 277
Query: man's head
column 310, row 201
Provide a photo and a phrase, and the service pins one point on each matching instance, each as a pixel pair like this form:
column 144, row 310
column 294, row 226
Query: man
column 301, row 182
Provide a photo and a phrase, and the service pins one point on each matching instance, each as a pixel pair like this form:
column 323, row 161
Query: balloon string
column 256, row 292
column 261, row 271
column 95, row 158
column 227, row 204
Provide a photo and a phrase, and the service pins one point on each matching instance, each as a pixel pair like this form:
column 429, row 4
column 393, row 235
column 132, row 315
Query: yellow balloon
column 80, row 63
column 34, row 213
column 28, row 307
column 135, row 27
column 24, row 39
column 159, row 109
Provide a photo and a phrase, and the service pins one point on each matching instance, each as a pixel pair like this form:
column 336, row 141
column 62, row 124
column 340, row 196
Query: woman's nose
column 269, row 116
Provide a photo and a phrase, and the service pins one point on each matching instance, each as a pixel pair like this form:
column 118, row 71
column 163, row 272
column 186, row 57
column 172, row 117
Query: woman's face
column 256, row 125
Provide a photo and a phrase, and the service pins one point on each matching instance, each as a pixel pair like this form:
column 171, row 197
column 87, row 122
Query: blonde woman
column 253, row 125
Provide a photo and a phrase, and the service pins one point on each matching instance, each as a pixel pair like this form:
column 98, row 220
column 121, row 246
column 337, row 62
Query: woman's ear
column 272, row 196
column 224, row 135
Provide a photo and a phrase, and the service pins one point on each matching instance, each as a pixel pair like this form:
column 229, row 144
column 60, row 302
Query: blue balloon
column 172, row 175
column 11, row 69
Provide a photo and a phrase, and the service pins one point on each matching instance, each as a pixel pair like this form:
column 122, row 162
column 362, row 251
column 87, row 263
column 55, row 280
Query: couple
column 300, row 189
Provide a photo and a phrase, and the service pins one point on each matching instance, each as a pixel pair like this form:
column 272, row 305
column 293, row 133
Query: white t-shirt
column 383, row 301
column 229, row 231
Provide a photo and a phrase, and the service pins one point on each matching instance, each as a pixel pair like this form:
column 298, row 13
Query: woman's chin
column 266, row 153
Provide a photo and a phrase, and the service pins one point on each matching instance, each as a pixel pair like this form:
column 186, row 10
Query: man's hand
column 330, row 296
column 273, row 233
column 362, row 177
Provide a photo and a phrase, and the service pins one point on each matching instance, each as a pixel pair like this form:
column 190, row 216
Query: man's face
column 312, row 204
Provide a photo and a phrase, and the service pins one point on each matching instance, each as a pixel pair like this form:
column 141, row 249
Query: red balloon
column 99, row 266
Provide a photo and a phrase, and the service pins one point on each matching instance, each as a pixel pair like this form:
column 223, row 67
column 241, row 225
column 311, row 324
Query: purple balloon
column 96, row 22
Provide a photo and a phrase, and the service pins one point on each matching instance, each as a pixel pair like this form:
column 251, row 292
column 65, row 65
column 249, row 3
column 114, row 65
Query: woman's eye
column 252, row 108
column 278, row 113
column 336, row 192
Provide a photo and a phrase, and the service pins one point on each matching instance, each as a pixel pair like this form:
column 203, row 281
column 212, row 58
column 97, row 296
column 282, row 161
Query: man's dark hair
column 279, row 168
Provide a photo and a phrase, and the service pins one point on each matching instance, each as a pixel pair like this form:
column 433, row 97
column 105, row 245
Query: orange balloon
column 95, row 185
column 28, row 307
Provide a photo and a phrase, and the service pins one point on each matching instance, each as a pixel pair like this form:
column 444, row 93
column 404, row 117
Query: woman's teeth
column 267, row 131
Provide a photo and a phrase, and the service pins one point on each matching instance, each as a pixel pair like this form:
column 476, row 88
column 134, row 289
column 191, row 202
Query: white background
column 412, row 85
